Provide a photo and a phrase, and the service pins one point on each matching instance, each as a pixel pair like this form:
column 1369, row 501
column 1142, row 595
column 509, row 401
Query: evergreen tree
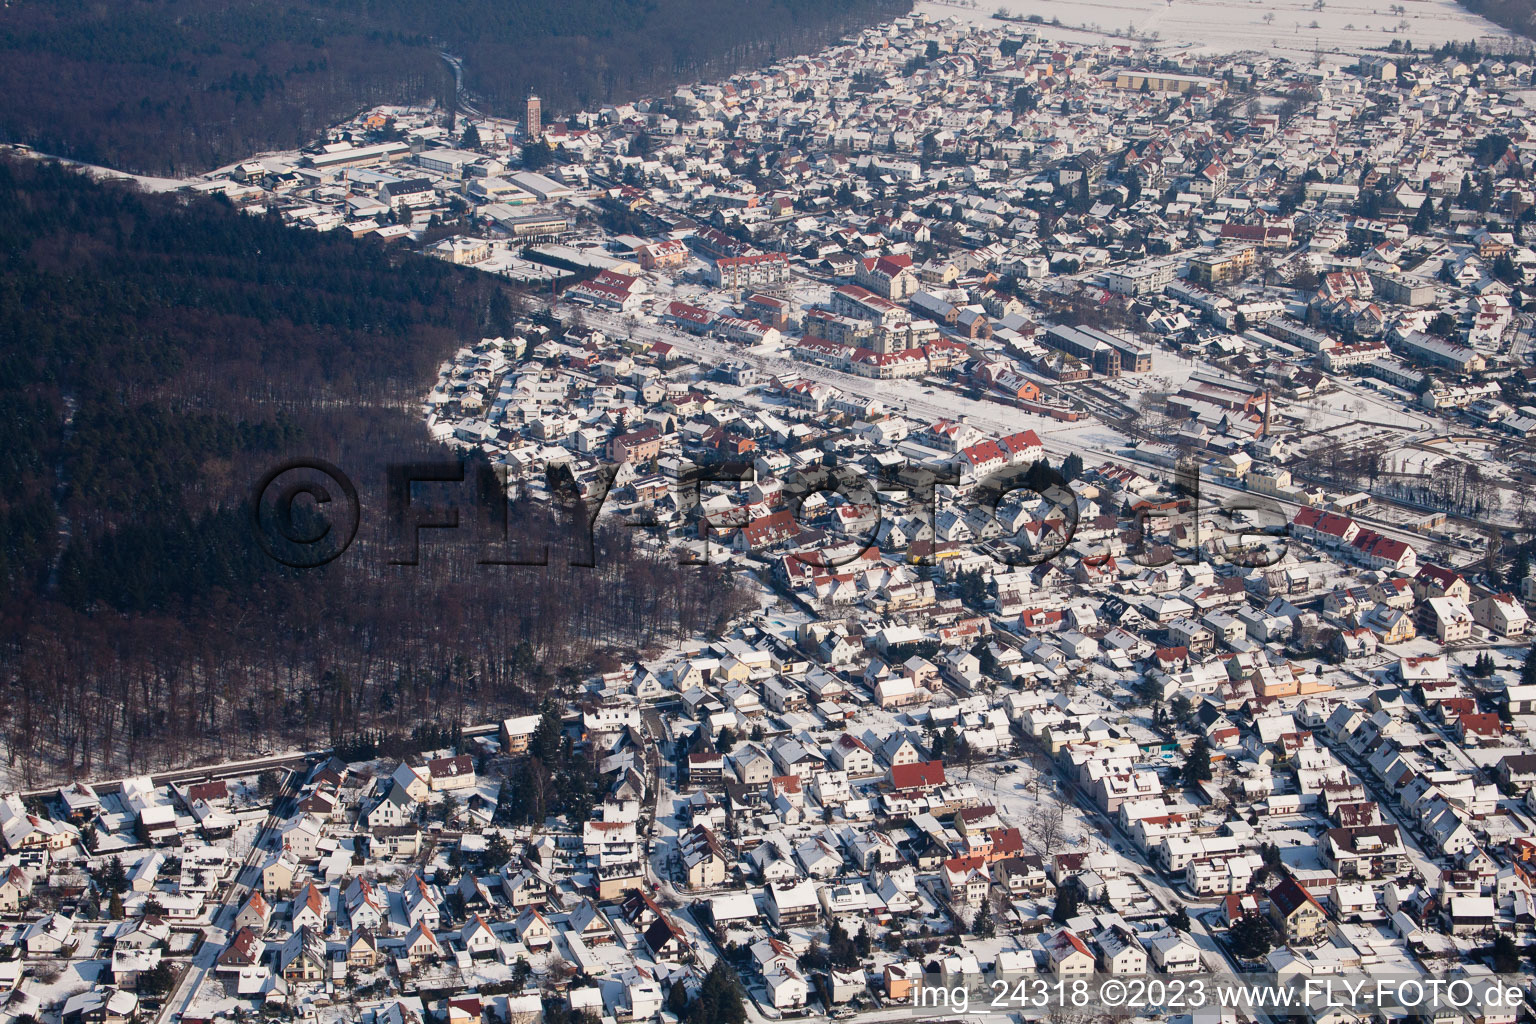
column 1506, row 957
column 1068, row 900
column 841, row 951
column 948, row 741
column 1252, row 937
column 158, row 979
column 966, row 754
column 719, row 999
column 497, row 852
column 1424, row 217
column 1504, row 269
column 972, row 585
column 1467, row 197
column 537, row 155
column 1197, row 767
column 677, row 998
column 115, row 877
column 545, row 742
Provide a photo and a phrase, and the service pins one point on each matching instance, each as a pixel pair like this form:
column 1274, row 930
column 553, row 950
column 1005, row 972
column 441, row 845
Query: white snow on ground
column 1226, row 26
column 146, row 182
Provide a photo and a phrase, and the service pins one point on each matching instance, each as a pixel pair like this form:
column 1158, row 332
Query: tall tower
column 533, row 120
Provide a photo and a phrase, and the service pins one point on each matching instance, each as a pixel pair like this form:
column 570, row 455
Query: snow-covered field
column 1281, row 27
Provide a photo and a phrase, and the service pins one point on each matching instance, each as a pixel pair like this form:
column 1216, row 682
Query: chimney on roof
column 1266, row 414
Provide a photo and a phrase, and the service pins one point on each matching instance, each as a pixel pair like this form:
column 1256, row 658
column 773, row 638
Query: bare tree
column 1046, row 823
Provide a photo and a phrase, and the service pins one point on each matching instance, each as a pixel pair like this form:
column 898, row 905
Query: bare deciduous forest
column 161, row 86
column 1516, row 15
column 157, row 355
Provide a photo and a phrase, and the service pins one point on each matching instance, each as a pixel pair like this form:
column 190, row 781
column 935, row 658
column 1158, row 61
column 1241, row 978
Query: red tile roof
column 923, row 775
